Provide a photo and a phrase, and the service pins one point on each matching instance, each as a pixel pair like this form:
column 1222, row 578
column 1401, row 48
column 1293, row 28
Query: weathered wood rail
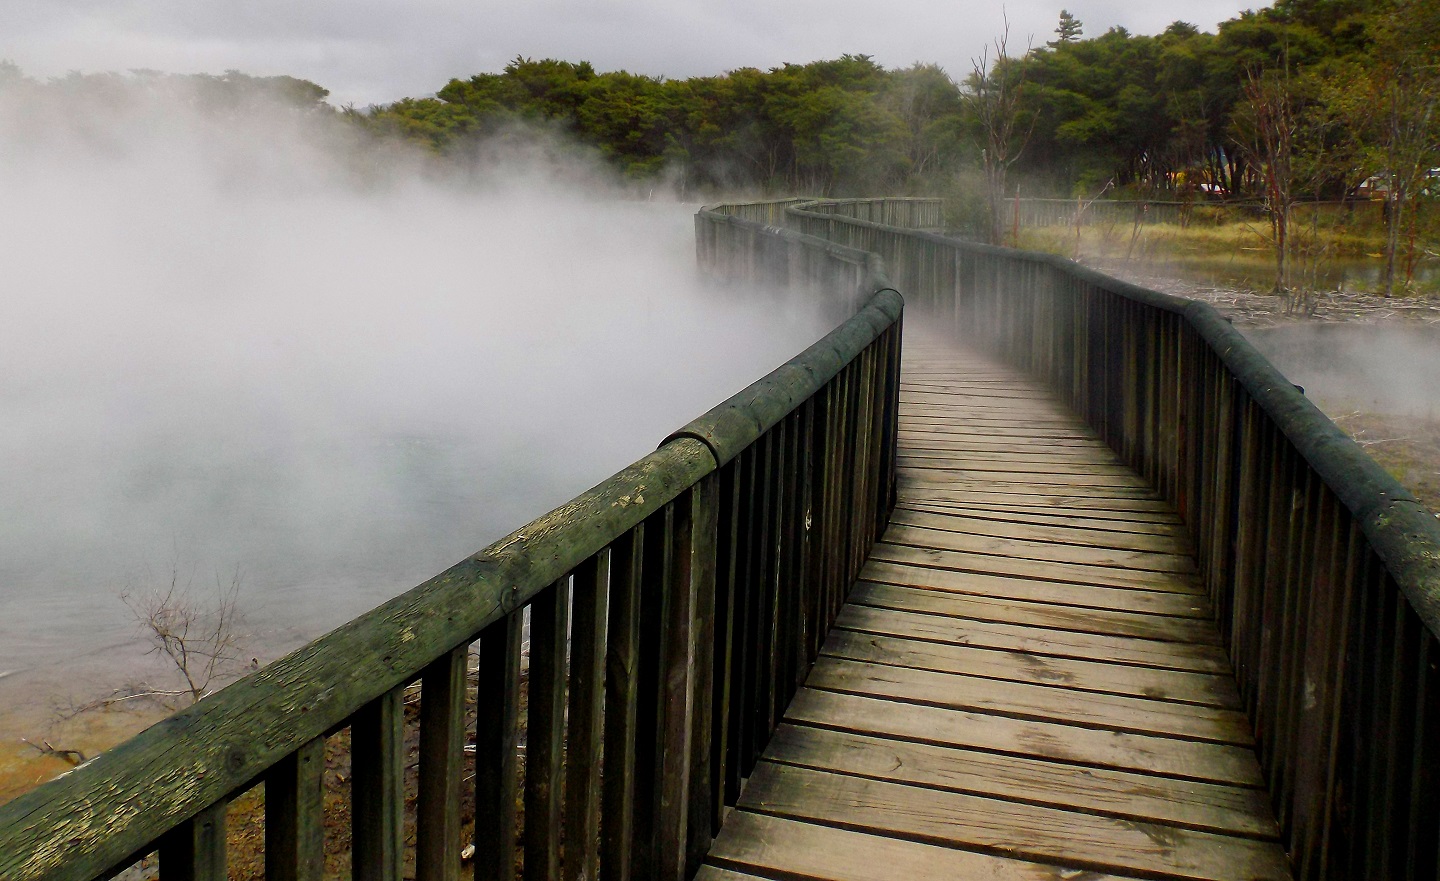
column 696, row 588
column 1323, row 571
column 1026, row 681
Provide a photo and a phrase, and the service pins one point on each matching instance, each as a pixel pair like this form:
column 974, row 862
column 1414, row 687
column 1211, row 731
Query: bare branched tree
column 199, row 639
column 993, row 93
column 1266, row 123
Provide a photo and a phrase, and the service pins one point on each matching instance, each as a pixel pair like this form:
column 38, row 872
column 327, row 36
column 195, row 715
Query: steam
column 251, row 340
column 1386, row 369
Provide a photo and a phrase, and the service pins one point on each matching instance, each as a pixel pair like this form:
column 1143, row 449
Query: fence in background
column 1033, row 213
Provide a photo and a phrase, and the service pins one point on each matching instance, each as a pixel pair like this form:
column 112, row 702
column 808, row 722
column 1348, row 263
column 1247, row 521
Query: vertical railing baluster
column 545, row 732
column 377, row 789
column 497, row 747
column 195, row 849
column 655, row 599
column 442, row 755
column 585, row 729
column 675, row 710
column 295, row 815
column 622, row 645
column 722, row 760
column 702, row 813
column 762, row 700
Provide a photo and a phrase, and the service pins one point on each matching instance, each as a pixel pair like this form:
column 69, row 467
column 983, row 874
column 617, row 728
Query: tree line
column 1305, row 99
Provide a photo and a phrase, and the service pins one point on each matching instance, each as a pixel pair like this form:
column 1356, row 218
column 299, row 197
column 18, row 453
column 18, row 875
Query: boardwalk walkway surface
column 1025, row 683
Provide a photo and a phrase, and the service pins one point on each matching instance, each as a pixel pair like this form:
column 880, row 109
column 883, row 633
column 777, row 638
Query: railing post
column 585, row 731
column 622, row 647
column 195, row 850
column 377, row 789
column 704, row 544
column 442, row 743
column 295, row 816
column 497, row 732
column 545, row 732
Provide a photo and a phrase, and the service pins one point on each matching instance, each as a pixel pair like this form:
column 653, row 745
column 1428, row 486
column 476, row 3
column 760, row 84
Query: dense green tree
column 1069, row 30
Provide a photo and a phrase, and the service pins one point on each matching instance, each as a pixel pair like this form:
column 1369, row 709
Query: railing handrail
column 1322, row 571
column 111, row 810
column 1403, row 532
column 92, row 818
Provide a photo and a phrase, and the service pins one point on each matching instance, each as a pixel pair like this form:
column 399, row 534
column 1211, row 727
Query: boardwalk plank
column 1032, row 547
column 1087, row 596
column 1165, row 685
column 997, row 451
column 1106, row 622
column 1188, row 759
column 1190, row 804
column 1095, row 536
column 775, row 847
column 1077, row 840
column 1086, row 473
column 1023, row 700
column 1075, row 573
column 1020, row 515
column 1025, row 682
column 1035, row 640
column 1140, row 509
column 1037, row 482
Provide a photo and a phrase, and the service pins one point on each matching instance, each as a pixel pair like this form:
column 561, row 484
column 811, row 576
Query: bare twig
column 73, row 756
column 200, row 641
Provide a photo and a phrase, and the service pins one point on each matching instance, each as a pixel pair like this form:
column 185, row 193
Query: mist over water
column 250, row 347
column 1374, row 368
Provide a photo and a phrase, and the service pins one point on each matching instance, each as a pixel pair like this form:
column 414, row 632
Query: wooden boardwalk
column 1025, row 683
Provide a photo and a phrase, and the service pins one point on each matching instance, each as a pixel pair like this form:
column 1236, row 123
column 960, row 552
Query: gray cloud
column 373, row 51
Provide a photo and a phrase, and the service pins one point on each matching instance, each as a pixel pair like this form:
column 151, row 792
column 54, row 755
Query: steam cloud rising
column 244, row 341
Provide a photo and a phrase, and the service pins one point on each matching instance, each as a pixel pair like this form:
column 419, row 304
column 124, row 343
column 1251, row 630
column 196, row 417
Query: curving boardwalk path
column 1025, row 683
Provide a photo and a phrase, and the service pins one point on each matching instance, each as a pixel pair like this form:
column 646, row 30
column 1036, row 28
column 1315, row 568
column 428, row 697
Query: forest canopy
column 1169, row 112
column 1336, row 97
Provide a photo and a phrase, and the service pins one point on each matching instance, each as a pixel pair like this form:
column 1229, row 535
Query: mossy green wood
column 87, row 822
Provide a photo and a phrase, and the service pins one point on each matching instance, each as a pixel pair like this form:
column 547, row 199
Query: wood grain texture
column 1033, row 547
column 1060, row 593
column 774, row 847
column 1025, row 700
column 1218, row 763
column 295, row 816
column 865, row 644
column 1109, row 622
column 1068, row 838
column 1091, row 535
column 1036, row 640
column 1025, row 682
column 1046, row 570
column 1121, row 794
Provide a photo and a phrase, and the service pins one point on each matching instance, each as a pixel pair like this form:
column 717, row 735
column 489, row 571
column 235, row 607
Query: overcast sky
column 371, row 51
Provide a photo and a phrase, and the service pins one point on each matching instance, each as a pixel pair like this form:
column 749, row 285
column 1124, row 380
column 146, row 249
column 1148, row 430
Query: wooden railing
column 1031, row 213
column 1324, row 572
column 695, row 587
column 910, row 213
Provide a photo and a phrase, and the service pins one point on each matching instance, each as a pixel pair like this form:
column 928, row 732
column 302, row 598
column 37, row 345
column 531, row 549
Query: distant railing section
column 1323, row 571
column 1038, row 213
column 910, row 213
column 695, row 587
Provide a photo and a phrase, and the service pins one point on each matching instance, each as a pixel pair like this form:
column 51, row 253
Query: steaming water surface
column 329, row 396
column 1387, row 369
